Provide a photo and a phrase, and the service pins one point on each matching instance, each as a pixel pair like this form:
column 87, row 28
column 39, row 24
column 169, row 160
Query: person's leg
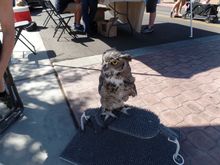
column 175, row 8
column 85, row 14
column 76, row 9
column 183, row 2
column 89, row 8
column 152, row 18
column 151, row 8
column 2, row 88
column 93, row 4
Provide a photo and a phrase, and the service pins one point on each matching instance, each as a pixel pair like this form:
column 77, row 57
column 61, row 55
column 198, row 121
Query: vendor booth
column 127, row 11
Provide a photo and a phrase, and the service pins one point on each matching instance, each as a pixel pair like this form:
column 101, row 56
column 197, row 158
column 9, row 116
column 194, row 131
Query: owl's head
column 113, row 59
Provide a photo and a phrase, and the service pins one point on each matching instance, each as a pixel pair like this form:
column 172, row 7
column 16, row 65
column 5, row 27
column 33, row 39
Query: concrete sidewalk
column 46, row 128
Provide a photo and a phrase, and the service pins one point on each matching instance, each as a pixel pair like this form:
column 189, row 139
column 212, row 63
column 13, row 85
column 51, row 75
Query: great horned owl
column 116, row 82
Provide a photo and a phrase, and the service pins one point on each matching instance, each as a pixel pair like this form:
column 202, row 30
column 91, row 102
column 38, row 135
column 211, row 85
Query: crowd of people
column 88, row 8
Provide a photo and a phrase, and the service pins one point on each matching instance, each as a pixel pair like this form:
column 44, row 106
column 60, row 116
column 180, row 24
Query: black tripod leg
column 12, row 89
column 16, row 112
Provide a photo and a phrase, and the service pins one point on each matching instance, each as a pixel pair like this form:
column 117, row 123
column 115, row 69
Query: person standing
column 89, row 9
column 71, row 6
column 7, row 45
column 151, row 6
column 176, row 10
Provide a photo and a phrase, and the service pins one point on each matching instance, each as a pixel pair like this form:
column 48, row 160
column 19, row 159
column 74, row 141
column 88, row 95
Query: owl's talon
column 107, row 114
column 125, row 110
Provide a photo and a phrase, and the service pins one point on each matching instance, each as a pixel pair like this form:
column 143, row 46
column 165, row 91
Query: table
column 127, row 11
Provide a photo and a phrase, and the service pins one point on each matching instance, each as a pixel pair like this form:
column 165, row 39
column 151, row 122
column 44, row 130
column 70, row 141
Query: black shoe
column 148, row 30
column 79, row 29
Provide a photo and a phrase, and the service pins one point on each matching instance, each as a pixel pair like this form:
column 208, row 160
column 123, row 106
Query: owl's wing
column 130, row 86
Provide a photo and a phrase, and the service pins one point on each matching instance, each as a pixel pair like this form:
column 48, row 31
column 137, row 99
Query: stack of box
column 106, row 28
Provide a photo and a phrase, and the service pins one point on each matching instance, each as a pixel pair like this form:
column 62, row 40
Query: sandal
column 171, row 14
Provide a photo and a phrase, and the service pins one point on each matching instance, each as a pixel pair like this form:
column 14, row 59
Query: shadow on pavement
column 41, row 55
column 183, row 61
column 69, row 48
column 164, row 33
column 38, row 137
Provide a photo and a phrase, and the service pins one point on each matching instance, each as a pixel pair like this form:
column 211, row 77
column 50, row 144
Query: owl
column 116, row 82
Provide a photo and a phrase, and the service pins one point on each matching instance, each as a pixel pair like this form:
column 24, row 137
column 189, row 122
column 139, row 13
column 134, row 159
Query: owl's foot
column 83, row 119
column 124, row 110
column 107, row 114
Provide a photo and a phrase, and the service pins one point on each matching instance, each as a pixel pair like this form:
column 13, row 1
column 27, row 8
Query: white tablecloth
column 136, row 10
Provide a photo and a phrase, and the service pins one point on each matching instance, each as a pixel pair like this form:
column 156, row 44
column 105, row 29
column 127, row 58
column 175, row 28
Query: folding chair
column 63, row 20
column 49, row 12
column 10, row 116
column 19, row 26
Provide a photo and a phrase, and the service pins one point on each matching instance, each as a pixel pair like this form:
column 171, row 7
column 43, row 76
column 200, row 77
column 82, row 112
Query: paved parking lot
column 180, row 82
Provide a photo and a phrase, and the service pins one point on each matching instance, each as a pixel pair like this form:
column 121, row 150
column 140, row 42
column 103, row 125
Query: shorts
column 72, row 7
column 151, row 6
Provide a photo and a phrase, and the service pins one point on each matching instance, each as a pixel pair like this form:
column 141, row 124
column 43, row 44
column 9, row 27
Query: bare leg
column 78, row 15
column 152, row 18
column 76, row 9
column 182, row 3
column 175, row 8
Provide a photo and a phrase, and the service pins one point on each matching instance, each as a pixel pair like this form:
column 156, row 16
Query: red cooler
column 22, row 13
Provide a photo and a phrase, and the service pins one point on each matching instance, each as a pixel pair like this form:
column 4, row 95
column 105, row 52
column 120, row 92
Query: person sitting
column 89, row 9
column 71, row 6
column 7, row 45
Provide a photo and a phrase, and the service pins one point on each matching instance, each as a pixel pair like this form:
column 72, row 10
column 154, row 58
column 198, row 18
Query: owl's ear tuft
column 126, row 57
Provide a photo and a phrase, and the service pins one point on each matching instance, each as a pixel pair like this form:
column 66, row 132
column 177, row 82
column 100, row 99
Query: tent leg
column 191, row 28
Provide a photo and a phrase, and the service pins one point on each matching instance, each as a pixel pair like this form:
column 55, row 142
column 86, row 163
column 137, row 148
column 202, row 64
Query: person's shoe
column 78, row 28
column 6, row 99
column 148, row 30
column 171, row 14
column 177, row 15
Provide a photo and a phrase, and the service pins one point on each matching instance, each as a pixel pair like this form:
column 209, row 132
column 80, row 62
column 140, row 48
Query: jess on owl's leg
column 125, row 110
column 107, row 114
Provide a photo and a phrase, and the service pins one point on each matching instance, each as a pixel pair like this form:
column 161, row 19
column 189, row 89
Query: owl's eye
column 114, row 62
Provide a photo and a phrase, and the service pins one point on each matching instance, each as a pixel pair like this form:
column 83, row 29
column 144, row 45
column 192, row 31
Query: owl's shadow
column 105, row 140
column 140, row 123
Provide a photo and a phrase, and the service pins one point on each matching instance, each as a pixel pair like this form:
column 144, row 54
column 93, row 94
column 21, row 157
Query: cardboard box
column 100, row 14
column 107, row 28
